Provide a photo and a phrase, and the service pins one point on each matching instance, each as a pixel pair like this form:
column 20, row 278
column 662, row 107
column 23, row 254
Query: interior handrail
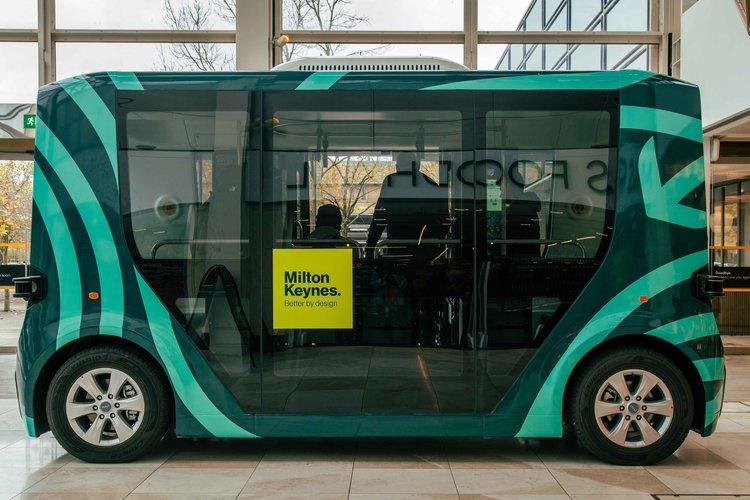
column 164, row 243
column 542, row 242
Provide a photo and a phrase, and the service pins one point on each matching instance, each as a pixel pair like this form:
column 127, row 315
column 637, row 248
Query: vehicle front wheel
column 107, row 404
column 631, row 406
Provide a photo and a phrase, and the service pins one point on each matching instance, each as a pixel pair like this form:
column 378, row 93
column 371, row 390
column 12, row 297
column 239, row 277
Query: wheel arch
column 58, row 358
column 656, row 344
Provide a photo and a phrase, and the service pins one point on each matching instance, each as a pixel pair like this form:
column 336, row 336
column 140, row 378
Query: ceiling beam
column 144, row 36
column 228, row 36
column 18, row 35
column 584, row 37
column 315, row 36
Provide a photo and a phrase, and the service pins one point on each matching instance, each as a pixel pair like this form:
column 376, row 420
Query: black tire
column 635, row 444
column 145, row 427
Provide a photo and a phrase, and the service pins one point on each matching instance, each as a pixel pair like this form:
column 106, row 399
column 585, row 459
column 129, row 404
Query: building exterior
column 714, row 32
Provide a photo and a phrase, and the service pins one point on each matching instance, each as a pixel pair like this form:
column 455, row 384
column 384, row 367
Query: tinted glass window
column 189, row 204
column 543, row 175
column 173, row 158
column 373, row 177
column 556, row 165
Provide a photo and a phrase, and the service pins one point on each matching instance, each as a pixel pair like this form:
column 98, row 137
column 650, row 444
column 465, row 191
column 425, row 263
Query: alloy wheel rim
column 633, row 408
column 105, row 407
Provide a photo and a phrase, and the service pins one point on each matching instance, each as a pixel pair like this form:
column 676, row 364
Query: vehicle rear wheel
column 107, row 404
column 631, row 406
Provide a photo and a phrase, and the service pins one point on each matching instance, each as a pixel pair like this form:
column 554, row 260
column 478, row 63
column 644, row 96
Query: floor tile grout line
column 351, row 475
column 443, row 450
column 551, row 473
column 146, row 478
column 450, row 468
column 10, row 444
column 40, row 479
column 660, row 481
column 246, row 481
column 265, row 450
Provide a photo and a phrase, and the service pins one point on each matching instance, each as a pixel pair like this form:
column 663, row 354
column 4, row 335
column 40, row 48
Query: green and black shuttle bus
column 363, row 253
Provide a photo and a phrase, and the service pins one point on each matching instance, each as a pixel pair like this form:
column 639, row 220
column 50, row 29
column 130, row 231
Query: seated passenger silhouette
column 411, row 207
column 328, row 228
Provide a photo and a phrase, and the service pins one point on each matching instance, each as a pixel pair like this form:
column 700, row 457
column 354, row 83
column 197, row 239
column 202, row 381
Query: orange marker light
column 93, row 295
column 643, row 298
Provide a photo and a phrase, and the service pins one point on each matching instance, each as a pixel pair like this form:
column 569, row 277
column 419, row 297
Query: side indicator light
column 643, row 298
column 93, row 295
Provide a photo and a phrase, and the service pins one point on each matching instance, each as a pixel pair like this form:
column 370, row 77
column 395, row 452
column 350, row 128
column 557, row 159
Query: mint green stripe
column 710, row 369
column 183, row 381
column 64, row 254
column 321, row 80
column 103, row 245
column 686, row 329
column 663, row 202
column 609, row 80
column 661, row 121
column 691, row 328
column 549, row 400
column 97, row 113
column 125, row 80
column 30, row 429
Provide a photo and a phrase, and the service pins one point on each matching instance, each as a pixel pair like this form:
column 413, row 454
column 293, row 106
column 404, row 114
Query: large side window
column 545, row 168
column 187, row 180
column 372, row 176
column 547, row 178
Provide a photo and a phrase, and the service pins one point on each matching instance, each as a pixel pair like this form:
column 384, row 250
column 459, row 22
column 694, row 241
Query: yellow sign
column 312, row 288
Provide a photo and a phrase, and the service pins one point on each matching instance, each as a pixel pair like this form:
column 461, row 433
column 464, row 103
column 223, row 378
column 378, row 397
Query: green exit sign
column 29, row 121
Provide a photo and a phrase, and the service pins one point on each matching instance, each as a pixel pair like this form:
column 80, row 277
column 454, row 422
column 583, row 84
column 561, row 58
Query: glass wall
column 79, row 58
column 579, row 15
column 443, row 18
column 19, row 77
column 22, row 15
column 503, row 15
column 376, row 15
column 730, row 246
column 730, row 225
column 538, row 57
column 145, row 14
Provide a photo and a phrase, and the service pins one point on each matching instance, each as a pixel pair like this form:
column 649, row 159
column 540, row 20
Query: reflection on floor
column 382, row 468
column 368, row 379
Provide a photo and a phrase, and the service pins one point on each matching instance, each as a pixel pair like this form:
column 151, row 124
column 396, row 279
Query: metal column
column 471, row 38
column 46, row 9
column 254, row 34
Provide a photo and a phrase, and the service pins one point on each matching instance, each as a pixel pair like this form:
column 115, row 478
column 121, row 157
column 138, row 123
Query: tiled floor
column 369, row 469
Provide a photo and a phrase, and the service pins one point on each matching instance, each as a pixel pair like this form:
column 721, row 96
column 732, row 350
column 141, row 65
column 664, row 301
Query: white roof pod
column 370, row 63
